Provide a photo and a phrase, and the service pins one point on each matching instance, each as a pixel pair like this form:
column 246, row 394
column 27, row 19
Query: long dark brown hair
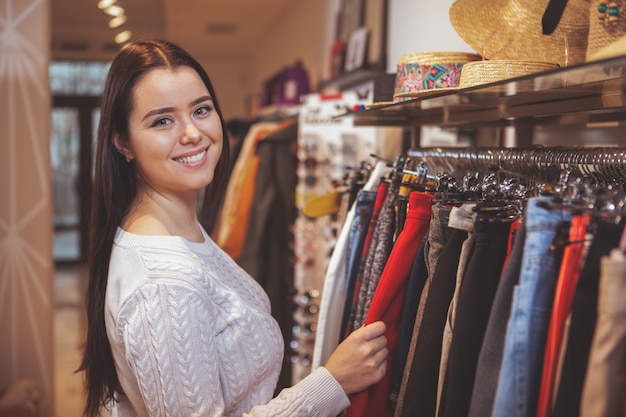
column 114, row 189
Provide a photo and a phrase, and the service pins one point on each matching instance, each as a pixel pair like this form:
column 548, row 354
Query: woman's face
column 175, row 133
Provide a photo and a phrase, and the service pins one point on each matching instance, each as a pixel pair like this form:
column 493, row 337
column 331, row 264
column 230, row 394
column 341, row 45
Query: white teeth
column 192, row 159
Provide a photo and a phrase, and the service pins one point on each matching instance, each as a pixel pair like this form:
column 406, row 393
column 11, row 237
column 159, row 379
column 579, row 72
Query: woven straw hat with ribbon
column 617, row 48
column 607, row 27
column 478, row 73
column 491, row 71
column 512, row 30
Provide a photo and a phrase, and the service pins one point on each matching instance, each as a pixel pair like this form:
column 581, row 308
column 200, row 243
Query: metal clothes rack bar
column 601, row 164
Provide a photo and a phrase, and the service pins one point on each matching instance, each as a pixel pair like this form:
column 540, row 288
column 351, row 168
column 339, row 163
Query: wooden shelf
column 592, row 92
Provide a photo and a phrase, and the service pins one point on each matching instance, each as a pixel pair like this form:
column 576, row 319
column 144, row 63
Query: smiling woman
column 175, row 326
column 174, row 140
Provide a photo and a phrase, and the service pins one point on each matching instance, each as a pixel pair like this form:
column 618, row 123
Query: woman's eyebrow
column 170, row 109
column 201, row 99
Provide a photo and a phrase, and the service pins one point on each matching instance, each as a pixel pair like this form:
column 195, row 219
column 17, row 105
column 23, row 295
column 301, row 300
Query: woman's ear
column 122, row 147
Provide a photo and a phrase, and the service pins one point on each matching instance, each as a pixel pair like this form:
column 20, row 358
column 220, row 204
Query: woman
column 175, row 327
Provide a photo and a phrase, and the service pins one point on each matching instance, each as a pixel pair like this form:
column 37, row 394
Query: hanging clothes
column 518, row 325
column 388, row 300
column 365, row 208
column 417, row 279
column 490, row 357
column 514, row 226
column 476, row 294
column 571, row 265
column 350, row 311
column 336, row 282
column 438, row 235
column 357, row 236
column 266, row 253
column 485, row 314
column 520, row 372
column 419, row 384
column 229, row 232
column 466, row 223
column 606, row 236
column 605, row 384
column 380, row 248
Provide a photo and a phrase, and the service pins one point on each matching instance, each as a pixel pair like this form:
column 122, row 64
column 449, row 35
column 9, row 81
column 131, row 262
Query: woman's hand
column 360, row 360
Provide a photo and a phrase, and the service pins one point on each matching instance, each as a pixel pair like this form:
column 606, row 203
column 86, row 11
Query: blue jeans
column 527, row 328
column 364, row 205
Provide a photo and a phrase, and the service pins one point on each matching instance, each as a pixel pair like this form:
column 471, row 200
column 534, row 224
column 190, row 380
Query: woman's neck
column 158, row 215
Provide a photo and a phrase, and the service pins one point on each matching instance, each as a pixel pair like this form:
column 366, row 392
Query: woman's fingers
column 361, row 359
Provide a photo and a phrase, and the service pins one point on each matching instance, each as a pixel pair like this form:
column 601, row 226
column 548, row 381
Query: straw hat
column 512, row 30
column 490, row 71
column 617, row 48
column 607, row 25
column 426, row 73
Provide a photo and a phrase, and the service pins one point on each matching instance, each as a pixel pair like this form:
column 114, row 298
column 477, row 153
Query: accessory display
column 512, row 30
column 477, row 73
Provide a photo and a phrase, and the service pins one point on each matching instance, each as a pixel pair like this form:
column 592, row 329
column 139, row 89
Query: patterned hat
column 422, row 74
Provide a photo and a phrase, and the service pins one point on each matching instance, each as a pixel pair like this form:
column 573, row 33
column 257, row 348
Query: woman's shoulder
column 155, row 255
column 140, row 260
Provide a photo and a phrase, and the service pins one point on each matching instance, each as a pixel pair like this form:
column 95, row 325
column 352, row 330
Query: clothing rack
column 601, row 164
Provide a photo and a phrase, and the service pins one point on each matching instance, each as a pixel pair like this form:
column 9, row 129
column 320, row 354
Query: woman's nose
column 192, row 133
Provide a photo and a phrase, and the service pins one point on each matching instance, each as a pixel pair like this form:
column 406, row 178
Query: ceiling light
column 114, row 11
column 103, row 4
column 123, row 36
column 117, row 21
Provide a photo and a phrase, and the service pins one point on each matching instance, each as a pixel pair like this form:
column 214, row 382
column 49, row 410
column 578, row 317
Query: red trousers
column 388, row 302
column 562, row 306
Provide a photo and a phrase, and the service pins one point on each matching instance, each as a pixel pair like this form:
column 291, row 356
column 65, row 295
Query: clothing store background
column 25, row 187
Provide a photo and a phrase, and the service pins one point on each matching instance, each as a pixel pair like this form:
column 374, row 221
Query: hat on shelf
column 512, row 30
column 616, row 48
column 494, row 70
column 425, row 73
column 607, row 29
column 476, row 73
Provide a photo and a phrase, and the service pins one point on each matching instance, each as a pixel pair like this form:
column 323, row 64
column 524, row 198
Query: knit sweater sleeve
column 169, row 332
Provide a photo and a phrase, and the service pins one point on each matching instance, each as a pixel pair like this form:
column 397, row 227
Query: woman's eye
column 202, row 110
column 161, row 122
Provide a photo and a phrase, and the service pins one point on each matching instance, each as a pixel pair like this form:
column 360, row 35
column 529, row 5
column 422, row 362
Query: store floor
column 69, row 334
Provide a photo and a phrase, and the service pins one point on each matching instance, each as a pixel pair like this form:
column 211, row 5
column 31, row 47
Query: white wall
column 421, row 26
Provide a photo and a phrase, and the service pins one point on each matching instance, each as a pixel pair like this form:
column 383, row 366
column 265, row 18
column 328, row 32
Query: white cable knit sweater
column 192, row 335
